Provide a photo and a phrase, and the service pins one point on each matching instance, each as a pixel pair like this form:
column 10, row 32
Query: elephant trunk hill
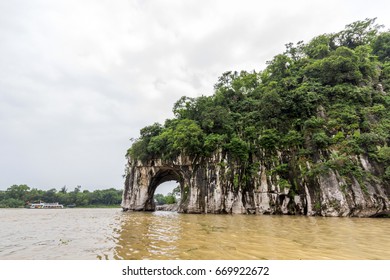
column 308, row 135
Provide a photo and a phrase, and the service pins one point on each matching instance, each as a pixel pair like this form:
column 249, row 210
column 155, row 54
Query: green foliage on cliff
column 330, row 95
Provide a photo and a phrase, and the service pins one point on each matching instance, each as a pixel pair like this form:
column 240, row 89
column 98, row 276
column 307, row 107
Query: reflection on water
column 149, row 235
column 112, row 234
column 165, row 235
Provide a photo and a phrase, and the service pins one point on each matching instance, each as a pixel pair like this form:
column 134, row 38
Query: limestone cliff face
column 214, row 185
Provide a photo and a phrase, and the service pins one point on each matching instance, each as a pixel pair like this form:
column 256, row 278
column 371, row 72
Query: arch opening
column 167, row 196
column 162, row 178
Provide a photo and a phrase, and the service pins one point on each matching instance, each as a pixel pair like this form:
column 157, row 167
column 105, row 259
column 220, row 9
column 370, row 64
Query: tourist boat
column 43, row 205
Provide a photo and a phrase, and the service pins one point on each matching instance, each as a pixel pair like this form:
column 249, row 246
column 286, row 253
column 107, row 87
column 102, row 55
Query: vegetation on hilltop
column 323, row 103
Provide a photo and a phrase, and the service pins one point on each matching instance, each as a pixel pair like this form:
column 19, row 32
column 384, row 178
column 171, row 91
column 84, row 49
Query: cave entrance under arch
column 162, row 176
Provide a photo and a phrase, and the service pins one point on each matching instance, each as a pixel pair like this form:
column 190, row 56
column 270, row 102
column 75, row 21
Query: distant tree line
column 18, row 196
column 161, row 199
column 170, row 198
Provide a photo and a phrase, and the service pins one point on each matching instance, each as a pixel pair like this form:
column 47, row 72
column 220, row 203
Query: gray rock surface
column 214, row 186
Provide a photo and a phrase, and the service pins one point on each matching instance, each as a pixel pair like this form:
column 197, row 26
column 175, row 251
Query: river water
column 91, row 234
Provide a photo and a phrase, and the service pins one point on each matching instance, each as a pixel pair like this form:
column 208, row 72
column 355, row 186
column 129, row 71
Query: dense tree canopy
column 331, row 94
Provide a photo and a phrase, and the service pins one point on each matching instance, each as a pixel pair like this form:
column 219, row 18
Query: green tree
column 50, row 196
column 176, row 192
column 64, row 190
column 18, row 192
column 381, row 47
column 111, row 197
column 160, row 199
column 358, row 33
column 170, row 199
column 11, row 203
column 319, row 47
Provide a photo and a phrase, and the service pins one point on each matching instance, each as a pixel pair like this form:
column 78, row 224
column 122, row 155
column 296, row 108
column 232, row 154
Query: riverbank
column 167, row 207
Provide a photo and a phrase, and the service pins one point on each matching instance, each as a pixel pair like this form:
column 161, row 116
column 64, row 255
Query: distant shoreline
column 76, row 207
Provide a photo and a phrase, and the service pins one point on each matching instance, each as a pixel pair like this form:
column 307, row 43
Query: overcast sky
column 79, row 78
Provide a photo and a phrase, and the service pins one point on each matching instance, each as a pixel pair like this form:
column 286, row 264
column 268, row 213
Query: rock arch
column 214, row 185
column 205, row 187
column 159, row 176
column 142, row 179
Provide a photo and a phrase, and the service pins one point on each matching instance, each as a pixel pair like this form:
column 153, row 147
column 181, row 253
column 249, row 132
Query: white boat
column 43, row 205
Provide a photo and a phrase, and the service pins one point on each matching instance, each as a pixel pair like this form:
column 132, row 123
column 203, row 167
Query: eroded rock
column 213, row 186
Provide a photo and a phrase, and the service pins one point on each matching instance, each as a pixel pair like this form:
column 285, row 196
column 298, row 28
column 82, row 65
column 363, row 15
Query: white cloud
column 79, row 78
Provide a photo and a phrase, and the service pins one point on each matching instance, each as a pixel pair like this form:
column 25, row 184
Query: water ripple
column 112, row 234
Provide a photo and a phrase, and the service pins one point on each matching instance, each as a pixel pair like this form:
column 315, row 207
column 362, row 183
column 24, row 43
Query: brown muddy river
column 91, row 234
